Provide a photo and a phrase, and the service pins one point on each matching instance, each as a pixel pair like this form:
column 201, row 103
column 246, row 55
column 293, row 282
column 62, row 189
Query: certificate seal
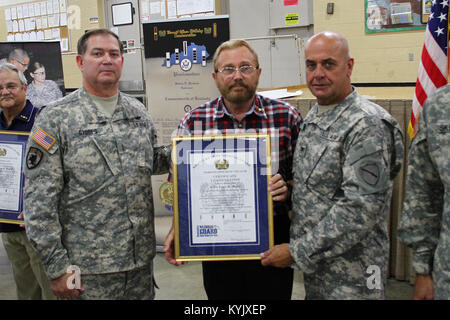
column 166, row 193
column 186, row 64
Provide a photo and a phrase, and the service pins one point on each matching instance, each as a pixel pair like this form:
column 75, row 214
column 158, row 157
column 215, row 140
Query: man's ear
column 259, row 72
column 350, row 64
column 80, row 62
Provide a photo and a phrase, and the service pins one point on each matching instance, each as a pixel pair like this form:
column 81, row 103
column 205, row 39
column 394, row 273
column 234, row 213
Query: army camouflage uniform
column 425, row 223
column 344, row 165
column 88, row 198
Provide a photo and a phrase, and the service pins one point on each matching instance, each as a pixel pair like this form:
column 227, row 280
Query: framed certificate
column 222, row 210
column 12, row 150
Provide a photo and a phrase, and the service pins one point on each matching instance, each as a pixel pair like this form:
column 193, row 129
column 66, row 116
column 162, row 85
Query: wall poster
column 393, row 15
column 178, row 71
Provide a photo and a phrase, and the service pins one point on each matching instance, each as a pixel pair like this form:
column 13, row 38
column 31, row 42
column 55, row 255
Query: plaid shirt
column 279, row 119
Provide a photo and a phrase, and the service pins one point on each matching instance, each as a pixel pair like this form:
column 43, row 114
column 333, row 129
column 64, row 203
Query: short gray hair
column 12, row 68
column 17, row 54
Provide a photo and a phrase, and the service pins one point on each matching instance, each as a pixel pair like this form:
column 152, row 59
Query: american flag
column 43, row 139
column 433, row 67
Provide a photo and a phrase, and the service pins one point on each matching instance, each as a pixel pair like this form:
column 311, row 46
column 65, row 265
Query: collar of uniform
column 126, row 108
column 326, row 119
column 256, row 108
column 94, row 115
column 25, row 115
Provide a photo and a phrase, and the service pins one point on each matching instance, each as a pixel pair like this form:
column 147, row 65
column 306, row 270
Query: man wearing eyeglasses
column 17, row 114
column 19, row 58
column 239, row 110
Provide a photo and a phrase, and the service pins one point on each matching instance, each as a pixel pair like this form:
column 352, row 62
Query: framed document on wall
column 222, row 210
column 12, row 149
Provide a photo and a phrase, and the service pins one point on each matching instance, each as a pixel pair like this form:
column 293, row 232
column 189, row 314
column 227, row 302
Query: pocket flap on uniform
column 114, row 170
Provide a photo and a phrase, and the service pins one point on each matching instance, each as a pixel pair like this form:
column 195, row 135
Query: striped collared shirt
column 278, row 118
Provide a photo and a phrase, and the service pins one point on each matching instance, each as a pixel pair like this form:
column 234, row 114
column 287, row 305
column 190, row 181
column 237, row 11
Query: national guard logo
column 34, row 157
column 222, row 164
column 3, row 152
column 207, row 231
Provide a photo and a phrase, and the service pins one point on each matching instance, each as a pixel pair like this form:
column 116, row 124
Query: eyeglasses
column 25, row 65
column 245, row 70
column 9, row 87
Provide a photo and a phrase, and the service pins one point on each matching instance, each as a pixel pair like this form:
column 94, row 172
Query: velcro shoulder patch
column 43, row 139
column 34, row 157
column 370, row 173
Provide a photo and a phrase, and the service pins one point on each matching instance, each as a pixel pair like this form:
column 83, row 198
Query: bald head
column 334, row 39
column 328, row 67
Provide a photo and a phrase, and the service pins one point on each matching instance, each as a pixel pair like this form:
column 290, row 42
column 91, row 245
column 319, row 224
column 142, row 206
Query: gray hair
column 18, row 54
column 12, row 68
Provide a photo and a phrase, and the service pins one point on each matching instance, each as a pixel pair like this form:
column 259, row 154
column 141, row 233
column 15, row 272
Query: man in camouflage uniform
column 425, row 222
column 88, row 194
column 348, row 152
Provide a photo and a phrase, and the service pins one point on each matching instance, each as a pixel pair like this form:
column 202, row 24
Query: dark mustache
column 239, row 83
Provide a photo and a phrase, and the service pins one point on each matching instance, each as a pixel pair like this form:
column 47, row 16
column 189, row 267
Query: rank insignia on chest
column 140, row 124
column 443, row 128
column 34, row 157
column 43, row 139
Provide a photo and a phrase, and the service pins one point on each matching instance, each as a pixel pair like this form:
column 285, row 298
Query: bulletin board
column 154, row 10
column 426, row 9
column 38, row 21
column 393, row 15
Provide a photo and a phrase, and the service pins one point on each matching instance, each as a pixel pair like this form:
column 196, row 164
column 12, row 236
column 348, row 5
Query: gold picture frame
column 222, row 209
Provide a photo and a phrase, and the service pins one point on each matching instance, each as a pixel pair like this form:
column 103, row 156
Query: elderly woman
column 41, row 91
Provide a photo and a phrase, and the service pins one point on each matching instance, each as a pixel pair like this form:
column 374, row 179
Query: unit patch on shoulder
column 370, row 173
column 34, row 157
column 43, row 139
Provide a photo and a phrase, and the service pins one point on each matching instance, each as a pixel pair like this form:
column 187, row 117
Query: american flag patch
column 43, row 139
